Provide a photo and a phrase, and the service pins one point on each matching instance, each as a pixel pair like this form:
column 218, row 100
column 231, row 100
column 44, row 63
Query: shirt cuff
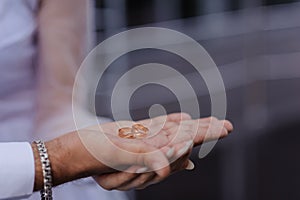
column 16, row 170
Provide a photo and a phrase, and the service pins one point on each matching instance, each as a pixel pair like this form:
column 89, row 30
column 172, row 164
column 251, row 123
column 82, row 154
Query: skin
column 73, row 160
column 62, row 45
column 194, row 130
column 57, row 67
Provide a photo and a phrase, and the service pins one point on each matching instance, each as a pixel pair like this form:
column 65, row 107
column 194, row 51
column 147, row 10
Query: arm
column 62, row 36
column 99, row 151
column 71, row 160
column 92, row 151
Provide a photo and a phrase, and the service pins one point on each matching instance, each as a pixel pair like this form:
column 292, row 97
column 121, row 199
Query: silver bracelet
column 46, row 192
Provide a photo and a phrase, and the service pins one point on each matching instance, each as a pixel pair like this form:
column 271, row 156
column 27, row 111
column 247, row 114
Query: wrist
column 69, row 161
column 38, row 180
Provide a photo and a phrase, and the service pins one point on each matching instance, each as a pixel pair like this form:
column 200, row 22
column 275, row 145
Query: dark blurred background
column 256, row 46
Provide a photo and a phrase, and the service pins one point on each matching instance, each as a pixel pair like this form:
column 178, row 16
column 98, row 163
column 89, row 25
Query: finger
column 209, row 119
column 174, row 117
column 117, row 179
column 139, row 181
column 148, row 183
column 180, row 164
column 209, row 128
column 177, row 117
column 180, row 156
column 146, row 155
column 228, row 125
column 215, row 131
column 197, row 130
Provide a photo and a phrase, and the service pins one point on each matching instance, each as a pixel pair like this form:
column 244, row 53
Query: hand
column 175, row 129
column 71, row 160
column 172, row 134
column 88, row 152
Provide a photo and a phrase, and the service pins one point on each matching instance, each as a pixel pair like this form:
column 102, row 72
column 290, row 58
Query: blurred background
column 255, row 44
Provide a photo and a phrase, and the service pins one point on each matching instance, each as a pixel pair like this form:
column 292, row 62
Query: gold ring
column 137, row 131
column 126, row 133
column 140, row 135
column 140, row 128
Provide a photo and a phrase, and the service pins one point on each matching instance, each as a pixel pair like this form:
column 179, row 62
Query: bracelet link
column 46, row 192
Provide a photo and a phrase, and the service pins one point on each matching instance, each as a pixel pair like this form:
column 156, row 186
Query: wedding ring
column 126, row 133
column 140, row 129
column 140, row 135
column 137, row 131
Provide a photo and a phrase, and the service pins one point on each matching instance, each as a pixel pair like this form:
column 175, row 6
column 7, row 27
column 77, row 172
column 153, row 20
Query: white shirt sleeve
column 16, row 170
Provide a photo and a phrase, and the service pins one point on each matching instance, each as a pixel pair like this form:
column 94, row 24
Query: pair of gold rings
column 137, row 131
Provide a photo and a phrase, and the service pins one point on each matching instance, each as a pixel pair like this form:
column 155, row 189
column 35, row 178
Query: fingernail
column 170, row 153
column 185, row 148
column 190, row 166
column 141, row 170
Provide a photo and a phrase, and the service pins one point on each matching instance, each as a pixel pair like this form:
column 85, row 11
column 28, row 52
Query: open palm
column 174, row 134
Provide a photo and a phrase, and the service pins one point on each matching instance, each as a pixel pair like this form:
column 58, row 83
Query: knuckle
column 213, row 119
column 142, row 181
